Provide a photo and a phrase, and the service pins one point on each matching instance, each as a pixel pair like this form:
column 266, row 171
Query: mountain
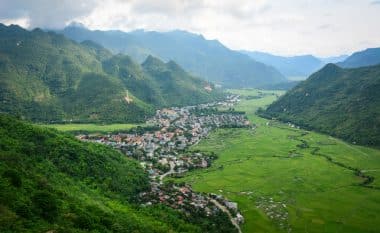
column 51, row 182
column 205, row 58
column 334, row 59
column 294, row 67
column 340, row 102
column 366, row 57
column 47, row 77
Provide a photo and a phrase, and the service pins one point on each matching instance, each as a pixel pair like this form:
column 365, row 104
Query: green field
column 284, row 178
column 92, row 127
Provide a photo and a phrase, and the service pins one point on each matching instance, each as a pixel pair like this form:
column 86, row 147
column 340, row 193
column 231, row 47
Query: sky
column 283, row 27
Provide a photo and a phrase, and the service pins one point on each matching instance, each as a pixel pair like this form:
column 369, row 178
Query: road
column 171, row 171
column 224, row 209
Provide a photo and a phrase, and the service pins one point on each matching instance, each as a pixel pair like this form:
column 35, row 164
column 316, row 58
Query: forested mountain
column 340, row 102
column 206, row 58
column 366, row 57
column 51, row 182
column 295, row 67
column 46, row 77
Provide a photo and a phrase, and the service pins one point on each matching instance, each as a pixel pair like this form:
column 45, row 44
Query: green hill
column 46, row 77
column 51, row 182
column 341, row 102
column 207, row 58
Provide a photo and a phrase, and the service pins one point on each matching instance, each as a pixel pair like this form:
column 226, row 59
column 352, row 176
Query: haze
column 319, row 27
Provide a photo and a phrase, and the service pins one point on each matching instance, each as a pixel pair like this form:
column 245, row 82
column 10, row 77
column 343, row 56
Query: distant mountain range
column 340, row 102
column 46, row 77
column 295, row 67
column 366, row 57
column 206, row 58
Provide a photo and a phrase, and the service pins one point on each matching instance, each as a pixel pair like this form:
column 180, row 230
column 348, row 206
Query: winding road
column 216, row 203
column 171, row 171
column 224, row 209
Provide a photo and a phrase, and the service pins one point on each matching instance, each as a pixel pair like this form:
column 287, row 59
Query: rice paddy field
column 286, row 179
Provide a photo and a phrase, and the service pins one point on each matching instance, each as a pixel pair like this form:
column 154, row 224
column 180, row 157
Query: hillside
column 46, row 77
column 50, row 181
column 366, row 57
column 206, row 58
column 340, row 102
column 295, row 67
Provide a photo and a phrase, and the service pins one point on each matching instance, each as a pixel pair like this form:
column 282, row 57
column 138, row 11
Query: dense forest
column 50, row 181
column 46, row 77
column 340, row 102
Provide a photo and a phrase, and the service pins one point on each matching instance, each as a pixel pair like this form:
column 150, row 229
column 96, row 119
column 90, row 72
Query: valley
column 279, row 181
column 250, row 116
column 282, row 178
column 162, row 150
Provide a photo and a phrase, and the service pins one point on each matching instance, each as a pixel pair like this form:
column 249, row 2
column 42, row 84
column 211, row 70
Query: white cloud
column 45, row 13
column 321, row 27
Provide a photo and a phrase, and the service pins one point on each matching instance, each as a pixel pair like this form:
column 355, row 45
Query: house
column 239, row 218
column 163, row 161
column 231, row 205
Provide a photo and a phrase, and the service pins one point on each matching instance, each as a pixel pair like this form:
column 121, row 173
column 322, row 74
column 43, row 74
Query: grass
column 269, row 173
column 92, row 127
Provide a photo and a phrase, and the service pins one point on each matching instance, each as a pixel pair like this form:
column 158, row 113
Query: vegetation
column 281, row 86
column 341, row 102
column 92, row 128
column 49, row 181
column 276, row 169
column 45, row 77
column 206, row 58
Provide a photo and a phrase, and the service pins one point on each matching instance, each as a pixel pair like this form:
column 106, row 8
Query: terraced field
column 287, row 179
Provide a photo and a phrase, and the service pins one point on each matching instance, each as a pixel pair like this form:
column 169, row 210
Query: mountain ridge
column 294, row 66
column 206, row 58
column 46, row 77
column 367, row 57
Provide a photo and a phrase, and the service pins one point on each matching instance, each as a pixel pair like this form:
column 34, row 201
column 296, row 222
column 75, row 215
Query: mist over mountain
column 333, row 59
column 206, row 58
column 294, row 67
column 368, row 57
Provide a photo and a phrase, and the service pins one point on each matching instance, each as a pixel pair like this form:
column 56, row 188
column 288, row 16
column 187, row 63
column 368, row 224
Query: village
column 162, row 149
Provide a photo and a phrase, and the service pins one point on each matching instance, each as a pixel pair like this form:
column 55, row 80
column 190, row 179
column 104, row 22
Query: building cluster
column 177, row 129
column 162, row 151
column 183, row 198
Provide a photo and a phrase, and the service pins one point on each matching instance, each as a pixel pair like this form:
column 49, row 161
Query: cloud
column 324, row 26
column 287, row 27
column 45, row 13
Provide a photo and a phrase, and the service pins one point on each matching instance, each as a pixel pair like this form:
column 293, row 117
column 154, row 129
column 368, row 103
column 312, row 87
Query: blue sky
column 285, row 27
